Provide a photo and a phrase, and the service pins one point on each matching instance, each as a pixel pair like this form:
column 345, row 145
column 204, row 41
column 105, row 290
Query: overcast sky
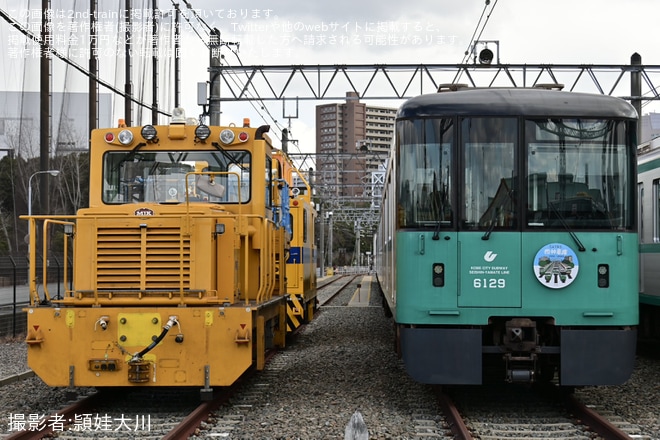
column 292, row 32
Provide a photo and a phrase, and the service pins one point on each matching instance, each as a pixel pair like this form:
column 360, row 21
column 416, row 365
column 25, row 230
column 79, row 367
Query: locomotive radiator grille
column 154, row 258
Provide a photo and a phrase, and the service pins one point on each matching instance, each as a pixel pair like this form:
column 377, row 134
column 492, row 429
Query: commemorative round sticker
column 556, row 265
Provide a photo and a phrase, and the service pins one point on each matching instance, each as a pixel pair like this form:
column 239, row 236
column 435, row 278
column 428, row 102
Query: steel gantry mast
column 402, row 81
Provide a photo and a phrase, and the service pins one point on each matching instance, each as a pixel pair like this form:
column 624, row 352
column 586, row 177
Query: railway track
column 331, row 370
column 510, row 412
column 107, row 412
column 332, row 288
column 168, row 414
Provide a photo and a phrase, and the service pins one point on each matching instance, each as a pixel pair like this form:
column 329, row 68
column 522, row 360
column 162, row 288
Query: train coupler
column 520, row 368
column 521, row 343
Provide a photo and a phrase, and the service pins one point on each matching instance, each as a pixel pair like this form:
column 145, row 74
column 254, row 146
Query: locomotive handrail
column 32, row 227
column 263, row 273
column 32, row 272
column 68, row 237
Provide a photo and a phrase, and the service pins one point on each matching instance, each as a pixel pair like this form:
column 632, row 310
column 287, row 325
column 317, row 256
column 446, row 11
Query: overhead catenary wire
column 263, row 107
column 479, row 29
column 22, row 29
column 254, row 92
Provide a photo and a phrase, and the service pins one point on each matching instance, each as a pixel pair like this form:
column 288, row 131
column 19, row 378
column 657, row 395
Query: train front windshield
column 514, row 174
column 176, row 177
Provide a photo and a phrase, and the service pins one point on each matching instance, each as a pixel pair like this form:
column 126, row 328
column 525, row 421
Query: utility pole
column 128, row 67
column 177, row 68
column 44, row 109
column 636, row 91
column 215, row 74
column 93, row 68
column 154, row 63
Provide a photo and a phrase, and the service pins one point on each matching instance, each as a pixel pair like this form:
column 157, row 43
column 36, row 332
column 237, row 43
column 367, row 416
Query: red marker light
column 109, row 137
column 243, row 136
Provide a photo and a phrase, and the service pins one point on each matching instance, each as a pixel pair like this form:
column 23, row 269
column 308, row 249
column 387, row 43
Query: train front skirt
column 456, row 356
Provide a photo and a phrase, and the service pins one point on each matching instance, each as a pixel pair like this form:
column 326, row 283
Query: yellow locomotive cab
column 179, row 261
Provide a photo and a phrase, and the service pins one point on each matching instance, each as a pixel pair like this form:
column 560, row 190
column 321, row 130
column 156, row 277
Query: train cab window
column 176, row 176
column 490, row 188
column 424, row 183
column 269, row 182
column 578, row 174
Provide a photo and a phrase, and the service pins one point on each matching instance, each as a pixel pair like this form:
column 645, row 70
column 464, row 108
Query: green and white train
column 508, row 246
column 648, row 189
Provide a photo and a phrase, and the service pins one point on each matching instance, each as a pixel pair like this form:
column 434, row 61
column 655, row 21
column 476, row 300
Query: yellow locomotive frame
column 173, row 285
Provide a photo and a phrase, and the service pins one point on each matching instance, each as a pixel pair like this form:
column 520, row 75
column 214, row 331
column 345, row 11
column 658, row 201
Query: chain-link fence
column 15, row 294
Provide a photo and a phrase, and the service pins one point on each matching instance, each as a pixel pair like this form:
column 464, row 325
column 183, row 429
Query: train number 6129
column 489, row 283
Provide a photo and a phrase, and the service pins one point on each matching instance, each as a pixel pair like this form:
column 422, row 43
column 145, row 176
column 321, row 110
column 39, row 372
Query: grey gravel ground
column 344, row 363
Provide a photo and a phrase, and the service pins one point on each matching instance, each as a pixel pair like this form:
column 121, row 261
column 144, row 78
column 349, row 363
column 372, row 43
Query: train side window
column 656, row 211
column 304, row 216
column 640, row 211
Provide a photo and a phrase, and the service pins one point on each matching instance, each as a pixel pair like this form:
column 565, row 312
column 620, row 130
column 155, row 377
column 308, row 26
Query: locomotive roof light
column 125, row 137
column 149, row 133
column 202, row 132
column 226, row 136
column 178, row 116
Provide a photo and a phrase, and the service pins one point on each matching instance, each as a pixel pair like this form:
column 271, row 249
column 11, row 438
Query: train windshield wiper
column 491, row 227
column 231, row 159
column 130, row 156
column 575, row 238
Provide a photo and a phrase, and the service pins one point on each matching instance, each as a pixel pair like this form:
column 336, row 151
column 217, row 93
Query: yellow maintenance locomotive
column 301, row 261
column 179, row 263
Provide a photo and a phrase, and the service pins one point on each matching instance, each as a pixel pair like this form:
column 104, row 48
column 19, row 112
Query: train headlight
column 438, row 274
column 149, row 132
column 603, row 275
column 125, row 137
column 227, row 136
column 202, row 132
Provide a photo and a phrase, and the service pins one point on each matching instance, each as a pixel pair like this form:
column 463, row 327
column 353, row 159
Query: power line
column 51, row 50
column 473, row 40
column 254, row 92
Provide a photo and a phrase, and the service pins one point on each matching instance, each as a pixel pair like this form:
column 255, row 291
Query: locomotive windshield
column 165, row 176
column 578, row 173
column 514, row 174
column 425, row 182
